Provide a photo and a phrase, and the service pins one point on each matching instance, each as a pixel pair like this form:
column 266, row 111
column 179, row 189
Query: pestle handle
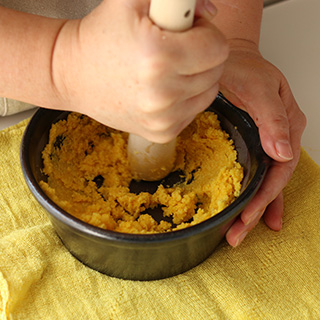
column 148, row 160
column 172, row 15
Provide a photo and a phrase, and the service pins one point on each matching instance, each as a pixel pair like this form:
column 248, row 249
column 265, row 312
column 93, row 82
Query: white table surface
column 290, row 39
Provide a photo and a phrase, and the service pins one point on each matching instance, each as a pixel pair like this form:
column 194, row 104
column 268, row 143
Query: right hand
column 119, row 68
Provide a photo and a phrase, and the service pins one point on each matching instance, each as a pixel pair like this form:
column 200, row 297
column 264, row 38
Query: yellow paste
column 89, row 176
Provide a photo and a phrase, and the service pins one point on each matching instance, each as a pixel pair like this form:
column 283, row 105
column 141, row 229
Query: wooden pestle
column 148, row 160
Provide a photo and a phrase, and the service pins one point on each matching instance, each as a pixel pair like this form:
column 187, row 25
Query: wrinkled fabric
column 62, row 9
column 271, row 275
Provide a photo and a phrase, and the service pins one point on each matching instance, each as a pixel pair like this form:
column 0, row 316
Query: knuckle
column 280, row 120
column 209, row 44
column 219, row 48
column 157, row 125
column 153, row 102
column 153, row 65
column 159, row 98
column 302, row 119
column 286, row 171
column 224, row 51
column 150, row 72
column 160, row 137
column 149, row 105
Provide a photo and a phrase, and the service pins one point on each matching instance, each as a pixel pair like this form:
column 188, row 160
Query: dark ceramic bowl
column 156, row 256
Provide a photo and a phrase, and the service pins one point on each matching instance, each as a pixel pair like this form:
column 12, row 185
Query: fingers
column 196, row 84
column 280, row 131
column 177, row 89
column 168, row 77
column 186, row 53
column 164, row 125
column 178, row 77
column 271, row 118
column 238, row 231
column 205, row 9
column 267, row 202
column 204, row 47
column 276, row 179
column 278, row 117
column 269, row 195
column 256, row 86
column 193, row 106
column 274, row 213
column 272, row 217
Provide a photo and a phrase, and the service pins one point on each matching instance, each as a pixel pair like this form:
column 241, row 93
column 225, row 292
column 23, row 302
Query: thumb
column 272, row 120
column 205, row 9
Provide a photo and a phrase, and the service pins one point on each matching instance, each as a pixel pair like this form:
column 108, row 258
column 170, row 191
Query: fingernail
column 210, row 10
column 252, row 217
column 241, row 237
column 284, row 150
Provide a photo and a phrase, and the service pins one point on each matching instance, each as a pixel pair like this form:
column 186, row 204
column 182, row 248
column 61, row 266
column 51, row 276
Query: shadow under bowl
column 146, row 256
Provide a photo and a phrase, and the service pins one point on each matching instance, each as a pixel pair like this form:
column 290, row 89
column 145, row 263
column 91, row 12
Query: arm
column 114, row 65
column 239, row 20
column 255, row 85
column 27, row 42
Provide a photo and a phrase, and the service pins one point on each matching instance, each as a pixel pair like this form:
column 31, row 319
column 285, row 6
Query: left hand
column 256, row 86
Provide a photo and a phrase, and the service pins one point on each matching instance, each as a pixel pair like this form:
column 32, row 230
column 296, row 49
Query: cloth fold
column 271, row 275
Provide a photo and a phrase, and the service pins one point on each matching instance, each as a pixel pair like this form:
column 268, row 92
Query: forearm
column 239, row 19
column 27, row 42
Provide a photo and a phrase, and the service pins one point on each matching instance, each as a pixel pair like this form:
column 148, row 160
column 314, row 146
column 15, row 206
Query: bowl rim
column 229, row 213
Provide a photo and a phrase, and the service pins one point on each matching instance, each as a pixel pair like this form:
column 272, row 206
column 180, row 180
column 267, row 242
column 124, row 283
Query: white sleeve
column 9, row 106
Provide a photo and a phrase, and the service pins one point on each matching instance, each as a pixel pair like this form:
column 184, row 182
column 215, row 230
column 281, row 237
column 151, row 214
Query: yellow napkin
column 272, row 275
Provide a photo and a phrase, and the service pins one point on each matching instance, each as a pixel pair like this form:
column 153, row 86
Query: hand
column 256, row 86
column 116, row 66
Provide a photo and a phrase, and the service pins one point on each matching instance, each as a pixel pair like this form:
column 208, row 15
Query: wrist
column 242, row 43
column 244, row 46
column 64, row 66
column 240, row 20
column 25, row 61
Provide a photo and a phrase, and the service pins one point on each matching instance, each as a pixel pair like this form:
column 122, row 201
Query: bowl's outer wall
column 139, row 261
column 141, row 257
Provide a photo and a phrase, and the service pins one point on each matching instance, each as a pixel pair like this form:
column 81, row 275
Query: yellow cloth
column 272, row 275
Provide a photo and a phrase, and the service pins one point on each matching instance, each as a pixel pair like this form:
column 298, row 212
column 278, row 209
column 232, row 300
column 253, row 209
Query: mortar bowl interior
column 146, row 256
